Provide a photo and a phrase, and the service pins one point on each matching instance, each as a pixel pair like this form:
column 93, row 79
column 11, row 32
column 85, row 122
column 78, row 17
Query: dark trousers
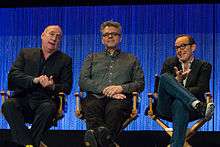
column 106, row 112
column 17, row 115
column 174, row 102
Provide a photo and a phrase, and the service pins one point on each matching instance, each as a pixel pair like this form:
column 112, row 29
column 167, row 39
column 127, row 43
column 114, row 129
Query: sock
column 194, row 103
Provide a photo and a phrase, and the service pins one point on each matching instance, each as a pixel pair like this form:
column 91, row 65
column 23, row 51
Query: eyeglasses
column 182, row 46
column 114, row 34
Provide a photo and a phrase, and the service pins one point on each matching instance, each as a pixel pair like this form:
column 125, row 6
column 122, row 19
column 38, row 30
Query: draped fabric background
column 148, row 32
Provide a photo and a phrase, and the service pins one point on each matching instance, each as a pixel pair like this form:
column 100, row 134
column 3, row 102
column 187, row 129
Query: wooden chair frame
column 133, row 114
column 60, row 110
column 191, row 131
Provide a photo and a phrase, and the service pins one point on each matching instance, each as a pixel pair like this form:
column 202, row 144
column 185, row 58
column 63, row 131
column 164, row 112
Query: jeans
column 174, row 101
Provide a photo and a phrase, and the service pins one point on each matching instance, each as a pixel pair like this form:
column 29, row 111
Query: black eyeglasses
column 112, row 34
column 182, row 46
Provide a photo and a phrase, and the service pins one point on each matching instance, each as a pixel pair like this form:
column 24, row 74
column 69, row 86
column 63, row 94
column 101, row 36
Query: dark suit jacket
column 28, row 65
column 198, row 79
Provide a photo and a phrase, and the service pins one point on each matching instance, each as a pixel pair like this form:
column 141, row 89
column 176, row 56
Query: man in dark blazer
column 36, row 76
column 183, row 82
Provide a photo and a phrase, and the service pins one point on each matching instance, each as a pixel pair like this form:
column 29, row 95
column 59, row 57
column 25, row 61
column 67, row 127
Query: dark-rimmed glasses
column 182, row 46
column 112, row 34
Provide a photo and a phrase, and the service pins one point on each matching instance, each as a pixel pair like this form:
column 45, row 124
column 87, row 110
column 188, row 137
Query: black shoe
column 104, row 137
column 206, row 110
column 90, row 139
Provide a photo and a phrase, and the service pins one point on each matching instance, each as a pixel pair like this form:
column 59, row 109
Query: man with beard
column 37, row 75
column 109, row 78
column 184, row 80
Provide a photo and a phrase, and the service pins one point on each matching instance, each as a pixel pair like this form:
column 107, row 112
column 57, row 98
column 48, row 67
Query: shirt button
column 110, row 66
column 110, row 73
column 109, row 81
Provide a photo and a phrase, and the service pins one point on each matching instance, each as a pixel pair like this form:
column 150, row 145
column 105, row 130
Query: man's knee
column 115, row 111
column 164, row 77
column 48, row 108
column 116, row 114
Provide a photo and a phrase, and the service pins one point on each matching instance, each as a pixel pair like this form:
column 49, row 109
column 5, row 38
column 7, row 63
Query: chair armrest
column 152, row 97
column 78, row 105
column 150, row 101
column 62, row 101
column 134, row 111
column 134, row 106
column 5, row 95
column 208, row 97
column 2, row 93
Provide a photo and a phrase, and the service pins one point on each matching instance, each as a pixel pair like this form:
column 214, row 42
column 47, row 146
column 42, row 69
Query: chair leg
column 42, row 144
column 116, row 145
column 186, row 144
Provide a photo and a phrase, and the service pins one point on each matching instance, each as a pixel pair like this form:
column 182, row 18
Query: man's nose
column 110, row 35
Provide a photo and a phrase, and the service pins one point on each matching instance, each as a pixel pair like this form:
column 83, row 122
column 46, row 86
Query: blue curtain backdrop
column 148, row 33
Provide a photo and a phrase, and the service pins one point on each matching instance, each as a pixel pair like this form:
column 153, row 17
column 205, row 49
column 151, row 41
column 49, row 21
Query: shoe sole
column 209, row 111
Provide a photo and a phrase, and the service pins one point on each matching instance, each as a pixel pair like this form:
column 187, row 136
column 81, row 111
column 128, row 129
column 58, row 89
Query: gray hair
column 110, row 23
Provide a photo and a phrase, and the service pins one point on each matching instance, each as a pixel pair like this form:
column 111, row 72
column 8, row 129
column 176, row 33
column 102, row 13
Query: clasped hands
column 114, row 92
column 44, row 81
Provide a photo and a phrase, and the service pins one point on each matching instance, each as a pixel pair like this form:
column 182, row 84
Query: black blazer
column 198, row 79
column 28, row 65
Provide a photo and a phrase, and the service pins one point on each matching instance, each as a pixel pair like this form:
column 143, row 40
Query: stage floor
column 74, row 138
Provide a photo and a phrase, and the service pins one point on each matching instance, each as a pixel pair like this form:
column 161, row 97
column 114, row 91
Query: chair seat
column 59, row 99
column 80, row 105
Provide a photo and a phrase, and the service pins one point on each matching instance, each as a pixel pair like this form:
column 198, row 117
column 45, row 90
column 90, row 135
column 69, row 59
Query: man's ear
column 193, row 47
column 42, row 35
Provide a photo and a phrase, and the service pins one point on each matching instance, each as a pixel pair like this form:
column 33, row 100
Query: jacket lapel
column 36, row 58
column 192, row 73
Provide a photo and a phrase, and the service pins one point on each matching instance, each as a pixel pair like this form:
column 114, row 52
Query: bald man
column 36, row 75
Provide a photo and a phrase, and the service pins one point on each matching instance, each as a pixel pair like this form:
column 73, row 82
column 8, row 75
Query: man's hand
column 119, row 96
column 44, row 81
column 180, row 75
column 112, row 90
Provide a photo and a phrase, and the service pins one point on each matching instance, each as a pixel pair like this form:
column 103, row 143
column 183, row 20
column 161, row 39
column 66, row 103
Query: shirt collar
column 189, row 62
column 116, row 53
column 53, row 54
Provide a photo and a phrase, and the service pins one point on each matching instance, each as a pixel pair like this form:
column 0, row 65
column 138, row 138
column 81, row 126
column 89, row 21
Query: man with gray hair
column 109, row 78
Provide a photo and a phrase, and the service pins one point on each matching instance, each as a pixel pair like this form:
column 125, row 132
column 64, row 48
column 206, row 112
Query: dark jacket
column 29, row 64
column 198, row 79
